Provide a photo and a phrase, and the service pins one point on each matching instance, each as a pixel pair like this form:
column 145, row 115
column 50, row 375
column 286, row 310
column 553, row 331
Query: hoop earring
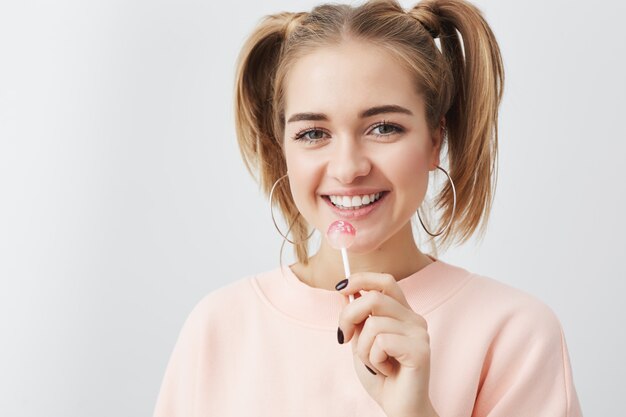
column 453, row 207
column 274, row 221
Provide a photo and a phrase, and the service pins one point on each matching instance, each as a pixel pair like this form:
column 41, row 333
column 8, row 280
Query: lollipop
column 341, row 235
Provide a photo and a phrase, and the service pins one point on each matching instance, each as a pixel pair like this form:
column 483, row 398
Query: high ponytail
column 254, row 82
column 477, row 71
column 255, row 115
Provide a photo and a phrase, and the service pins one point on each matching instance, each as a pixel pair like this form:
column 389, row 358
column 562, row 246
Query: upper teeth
column 354, row 201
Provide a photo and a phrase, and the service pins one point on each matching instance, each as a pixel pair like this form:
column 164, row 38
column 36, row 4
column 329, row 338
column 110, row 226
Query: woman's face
column 356, row 128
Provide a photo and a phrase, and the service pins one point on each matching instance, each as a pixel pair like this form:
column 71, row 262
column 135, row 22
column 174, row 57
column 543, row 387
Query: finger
column 409, row 350
column 362, row 347
column 373, row 303
column 369, row 281
column 380, row 358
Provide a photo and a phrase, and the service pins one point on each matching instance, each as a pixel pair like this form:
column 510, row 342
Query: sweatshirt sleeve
column 527, row 370
column 185, row 366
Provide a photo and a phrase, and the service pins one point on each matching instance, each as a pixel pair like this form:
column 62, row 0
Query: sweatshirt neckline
column 318, row 307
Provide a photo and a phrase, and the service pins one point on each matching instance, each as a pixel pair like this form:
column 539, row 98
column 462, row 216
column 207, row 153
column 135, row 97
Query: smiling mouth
column 354, row 202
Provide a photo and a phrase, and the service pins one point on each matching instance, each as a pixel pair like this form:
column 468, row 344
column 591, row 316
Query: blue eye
column 313, row 134
column 385, row 126
column 304, row 135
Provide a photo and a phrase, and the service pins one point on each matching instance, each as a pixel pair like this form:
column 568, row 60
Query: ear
column 437, row 139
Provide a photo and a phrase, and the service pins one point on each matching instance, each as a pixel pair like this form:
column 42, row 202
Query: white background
column 123, row 198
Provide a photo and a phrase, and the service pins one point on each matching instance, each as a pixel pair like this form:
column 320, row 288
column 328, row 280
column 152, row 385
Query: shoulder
column 227, row 298
column 510, row 310
column 506, row 326
column 481, row 297
column 236, row 299
column 525, row 366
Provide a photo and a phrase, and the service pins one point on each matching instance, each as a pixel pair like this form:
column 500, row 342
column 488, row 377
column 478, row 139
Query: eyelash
column 300, row 136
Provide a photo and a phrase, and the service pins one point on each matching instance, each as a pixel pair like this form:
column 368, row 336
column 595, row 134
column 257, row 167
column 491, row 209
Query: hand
column 390, row 338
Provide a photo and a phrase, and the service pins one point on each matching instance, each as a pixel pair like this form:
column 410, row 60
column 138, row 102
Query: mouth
column 351, row 207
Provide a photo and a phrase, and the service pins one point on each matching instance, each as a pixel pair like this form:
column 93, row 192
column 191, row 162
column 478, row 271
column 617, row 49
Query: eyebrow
column 389, row 108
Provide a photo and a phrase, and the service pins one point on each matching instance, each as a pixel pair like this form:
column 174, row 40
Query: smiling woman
column 343, row 112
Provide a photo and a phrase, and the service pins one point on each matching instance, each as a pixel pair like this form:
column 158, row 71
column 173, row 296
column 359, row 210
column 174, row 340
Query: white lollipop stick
column 346, row 268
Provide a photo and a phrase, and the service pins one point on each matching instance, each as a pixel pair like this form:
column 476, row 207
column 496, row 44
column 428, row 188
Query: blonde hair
column 463, row 82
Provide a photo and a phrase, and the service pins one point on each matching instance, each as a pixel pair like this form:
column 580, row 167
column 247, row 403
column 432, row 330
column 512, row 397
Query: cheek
column 408, row 168
column 303, row 176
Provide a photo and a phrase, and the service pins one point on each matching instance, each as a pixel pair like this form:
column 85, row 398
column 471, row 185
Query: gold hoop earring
column 274, row 220
column 453, row 207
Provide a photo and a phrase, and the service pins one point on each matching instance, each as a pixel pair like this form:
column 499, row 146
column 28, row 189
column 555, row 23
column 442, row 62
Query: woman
column 343, row 112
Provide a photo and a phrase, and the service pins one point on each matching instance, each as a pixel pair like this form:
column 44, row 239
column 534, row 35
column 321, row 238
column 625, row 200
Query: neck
column 398, row 256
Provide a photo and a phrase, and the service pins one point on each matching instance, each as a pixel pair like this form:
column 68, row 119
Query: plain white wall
column 123, row 198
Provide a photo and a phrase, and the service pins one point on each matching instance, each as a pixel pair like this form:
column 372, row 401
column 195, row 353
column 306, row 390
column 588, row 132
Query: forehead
column 346, row 78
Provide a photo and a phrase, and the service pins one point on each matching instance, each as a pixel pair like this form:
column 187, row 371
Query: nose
column 348, row 161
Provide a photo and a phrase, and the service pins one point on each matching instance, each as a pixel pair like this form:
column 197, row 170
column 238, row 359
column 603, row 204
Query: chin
column 363, row 248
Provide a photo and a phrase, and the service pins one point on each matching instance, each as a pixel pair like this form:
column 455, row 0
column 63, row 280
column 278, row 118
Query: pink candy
column 341, row 234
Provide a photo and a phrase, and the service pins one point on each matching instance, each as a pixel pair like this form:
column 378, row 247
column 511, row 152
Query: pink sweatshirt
column 266, row 345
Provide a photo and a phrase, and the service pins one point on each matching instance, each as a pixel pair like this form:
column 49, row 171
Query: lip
column 358, row 213
column 354, row 191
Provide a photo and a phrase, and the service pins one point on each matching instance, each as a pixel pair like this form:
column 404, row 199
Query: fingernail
column 339, row 336
column 369, row 369
column 341, row 284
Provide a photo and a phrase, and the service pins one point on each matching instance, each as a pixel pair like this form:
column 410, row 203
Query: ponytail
column 471, row 109
column 258, row 135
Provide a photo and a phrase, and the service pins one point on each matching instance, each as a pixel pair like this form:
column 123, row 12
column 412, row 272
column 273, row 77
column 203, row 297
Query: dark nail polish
column 341, row 285
column 369, row 369
column 339, row 336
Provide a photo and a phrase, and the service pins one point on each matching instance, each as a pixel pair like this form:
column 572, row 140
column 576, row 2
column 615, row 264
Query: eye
column 310, row 135
column 313, row 134
column 387, row 129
